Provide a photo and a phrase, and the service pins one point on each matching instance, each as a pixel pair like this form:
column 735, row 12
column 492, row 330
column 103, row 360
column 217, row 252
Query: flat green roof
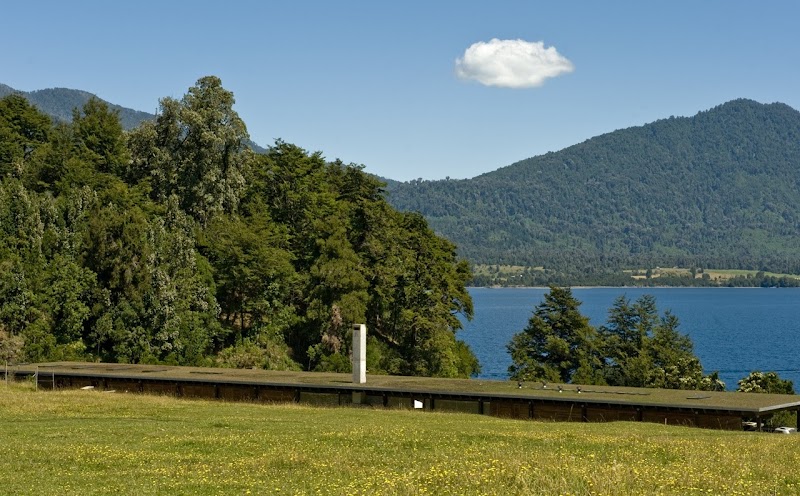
column 745, row 403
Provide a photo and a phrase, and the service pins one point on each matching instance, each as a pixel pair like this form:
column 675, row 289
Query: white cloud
column 511, row 63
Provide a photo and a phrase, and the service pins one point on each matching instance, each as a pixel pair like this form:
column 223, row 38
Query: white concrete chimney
column 359, row 353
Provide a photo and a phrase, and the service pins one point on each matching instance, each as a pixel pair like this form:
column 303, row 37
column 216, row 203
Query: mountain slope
column 6, row 90
column 720, row 189
column 59, row 102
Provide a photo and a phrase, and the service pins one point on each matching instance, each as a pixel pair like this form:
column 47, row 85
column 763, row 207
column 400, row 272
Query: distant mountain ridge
column 59, row 102
column 719, row 189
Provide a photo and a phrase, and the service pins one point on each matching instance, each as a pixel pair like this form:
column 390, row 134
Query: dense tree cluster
column 637, row 347
column 765, row 382
column 176, row 243
column 720, row 190
column 770, row 383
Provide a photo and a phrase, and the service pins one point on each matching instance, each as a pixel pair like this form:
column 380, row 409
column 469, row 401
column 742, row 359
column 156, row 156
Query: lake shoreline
column 733, row 332
column 630, row 287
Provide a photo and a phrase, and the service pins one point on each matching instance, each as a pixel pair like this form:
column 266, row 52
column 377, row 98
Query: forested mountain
column 720, row 189
column 59, row 103
column 176, row 243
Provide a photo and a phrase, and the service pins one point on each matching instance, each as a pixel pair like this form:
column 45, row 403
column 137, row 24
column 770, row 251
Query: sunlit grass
column 713, row 274
column 87, row 442
column 725, row 274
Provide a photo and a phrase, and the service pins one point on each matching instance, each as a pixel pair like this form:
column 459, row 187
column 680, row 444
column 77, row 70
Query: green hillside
column 720, row 189
column 717, row 190
column 59, row 103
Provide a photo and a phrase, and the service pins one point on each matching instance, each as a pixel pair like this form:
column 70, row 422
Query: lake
column 734, row 330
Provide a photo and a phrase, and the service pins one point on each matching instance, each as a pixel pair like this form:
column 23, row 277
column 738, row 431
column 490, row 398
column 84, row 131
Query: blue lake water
column 734, row 330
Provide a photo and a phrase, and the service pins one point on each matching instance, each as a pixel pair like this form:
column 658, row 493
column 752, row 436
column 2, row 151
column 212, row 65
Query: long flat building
column 557, row 402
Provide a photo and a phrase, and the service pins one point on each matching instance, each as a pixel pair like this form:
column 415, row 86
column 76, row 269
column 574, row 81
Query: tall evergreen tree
column 556, row 343
column 644, row 349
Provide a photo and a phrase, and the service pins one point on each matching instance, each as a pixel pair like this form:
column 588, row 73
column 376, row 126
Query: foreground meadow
column 87, row 442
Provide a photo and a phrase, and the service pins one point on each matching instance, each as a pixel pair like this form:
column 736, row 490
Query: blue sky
column 417, row 89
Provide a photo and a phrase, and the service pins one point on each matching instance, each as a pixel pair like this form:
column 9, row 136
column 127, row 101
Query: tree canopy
column 636, row 348
column 765, row 382
column 176, row 243
column 556, row 344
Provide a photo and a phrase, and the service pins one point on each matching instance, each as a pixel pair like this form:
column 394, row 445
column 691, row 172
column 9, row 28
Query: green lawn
column 88, row 442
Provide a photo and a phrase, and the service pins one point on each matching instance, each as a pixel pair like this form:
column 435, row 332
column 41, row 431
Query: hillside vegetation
column 84, row 442
column 58, row 103
column 717, row 190
column 175, row 243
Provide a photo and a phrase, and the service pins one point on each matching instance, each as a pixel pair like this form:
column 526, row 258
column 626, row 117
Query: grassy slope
column 84, row 442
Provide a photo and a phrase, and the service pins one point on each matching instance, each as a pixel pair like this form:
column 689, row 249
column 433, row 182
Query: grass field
column 87, row 442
